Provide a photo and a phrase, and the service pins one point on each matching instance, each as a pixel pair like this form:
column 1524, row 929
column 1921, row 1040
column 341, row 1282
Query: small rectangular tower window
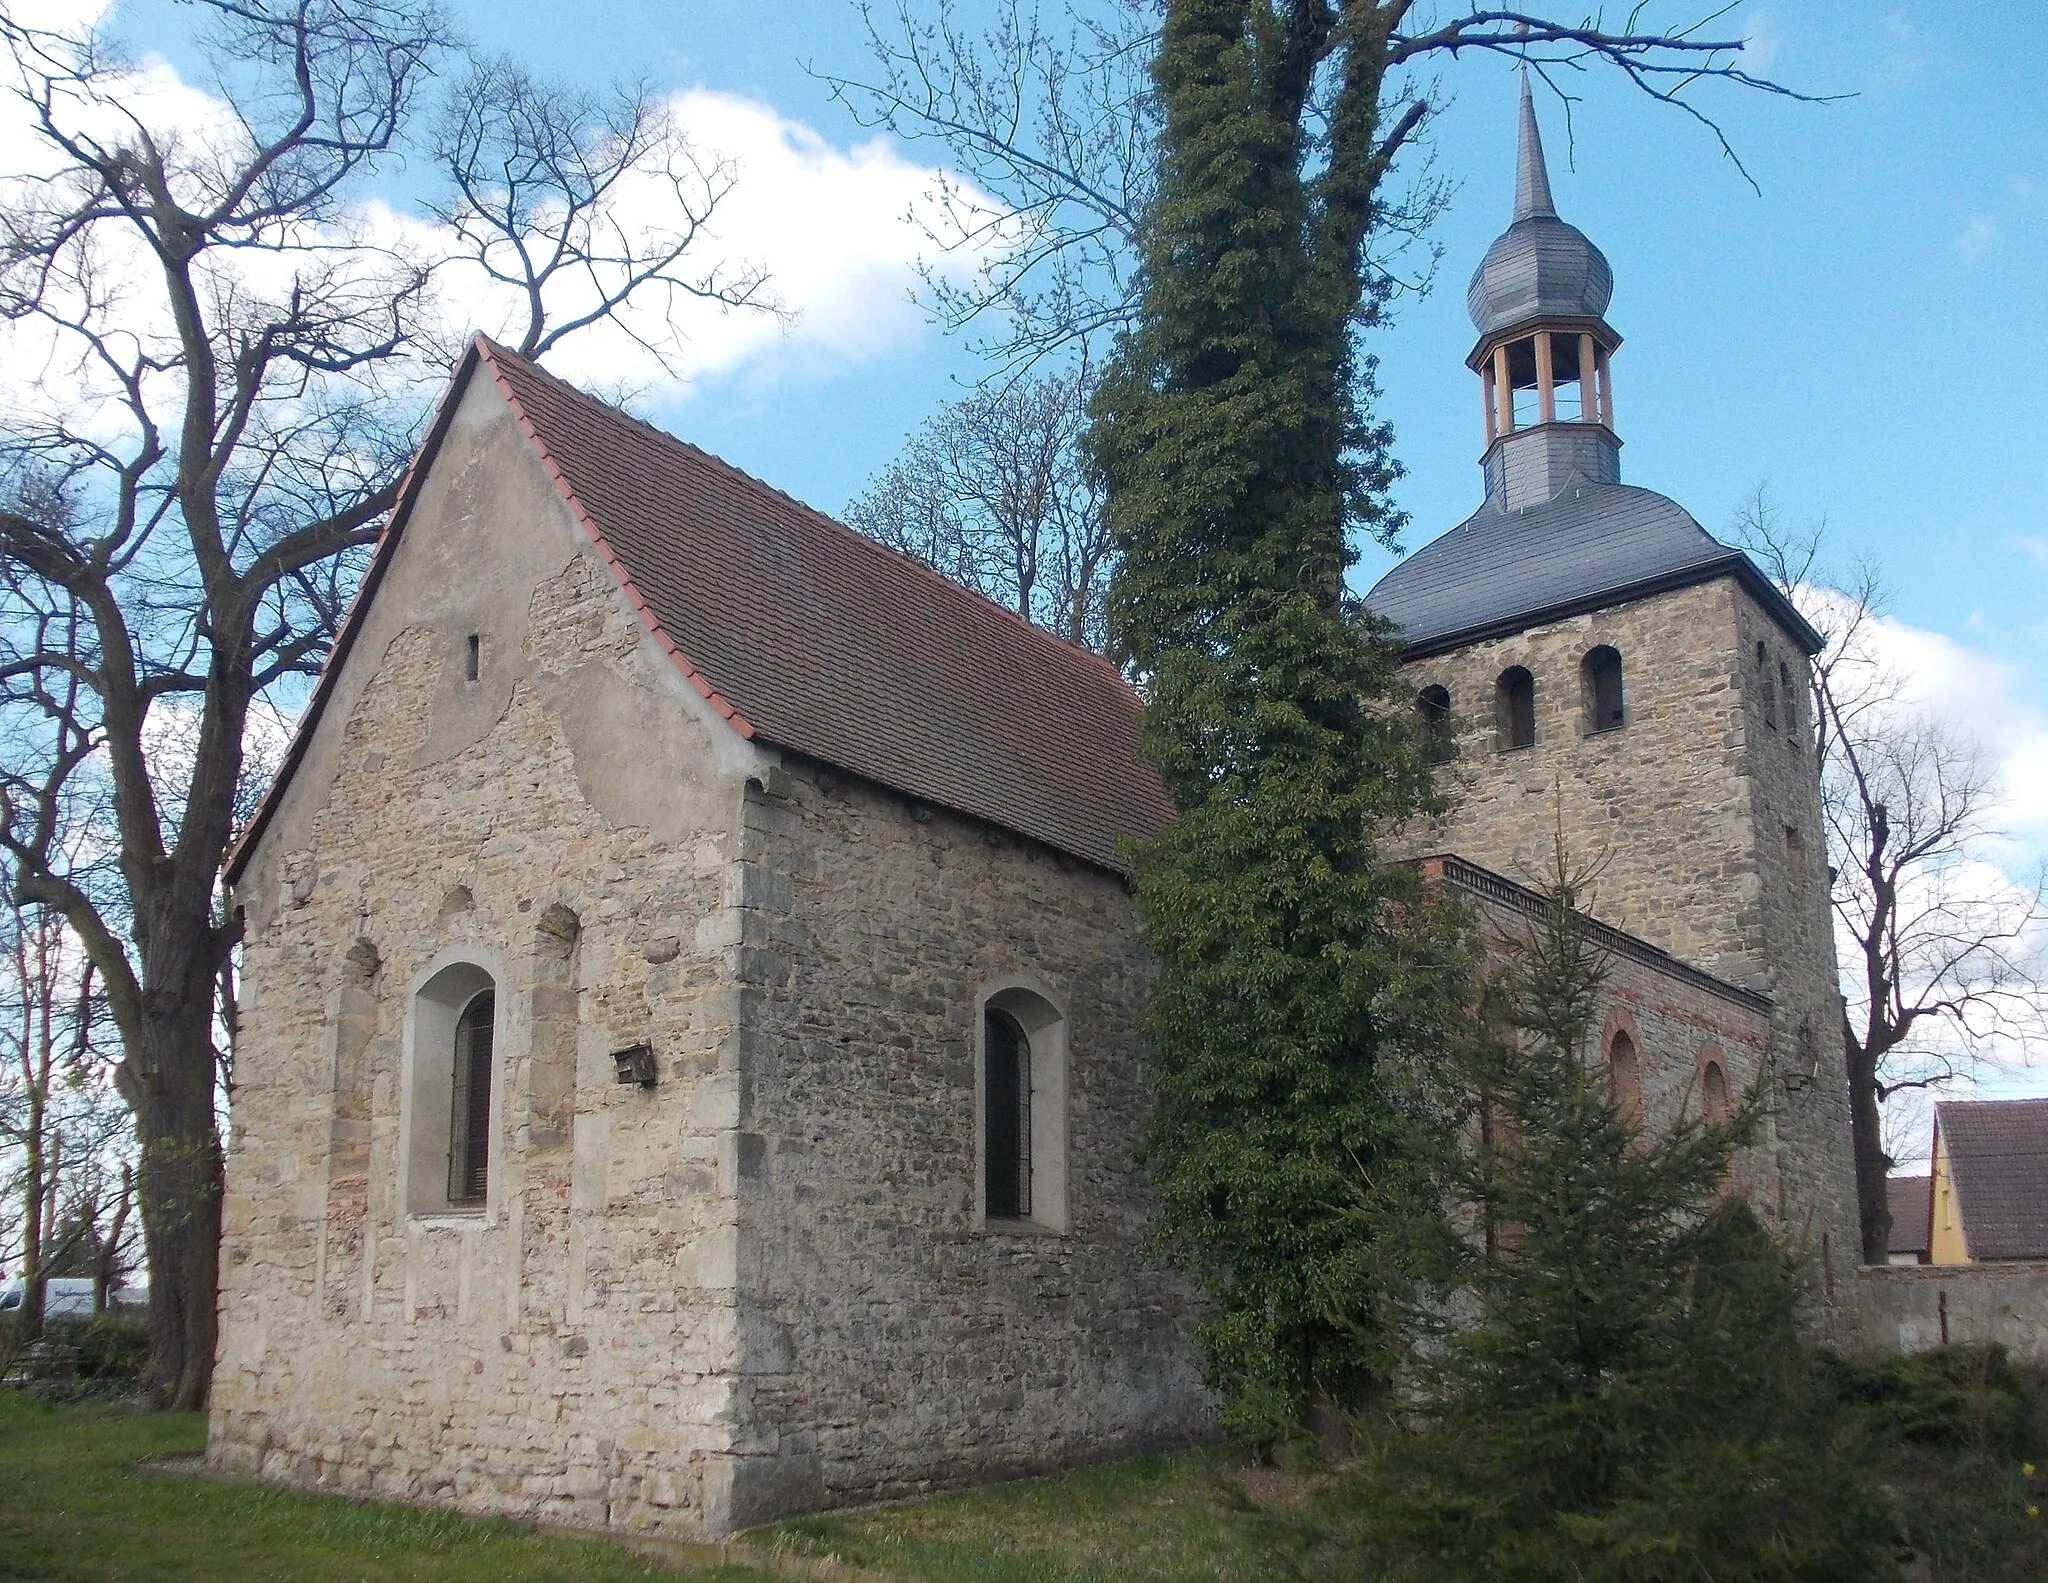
column 473, row 663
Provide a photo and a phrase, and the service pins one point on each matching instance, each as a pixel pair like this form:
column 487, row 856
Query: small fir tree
column 1301, row 977
column 1623, row 1389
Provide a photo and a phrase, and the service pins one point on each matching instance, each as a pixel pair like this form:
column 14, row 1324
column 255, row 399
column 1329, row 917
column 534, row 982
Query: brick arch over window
column 1514, row 709
column 1622, row 1046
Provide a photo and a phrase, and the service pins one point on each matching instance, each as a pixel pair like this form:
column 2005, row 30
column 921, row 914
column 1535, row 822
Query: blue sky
column 1867, row 333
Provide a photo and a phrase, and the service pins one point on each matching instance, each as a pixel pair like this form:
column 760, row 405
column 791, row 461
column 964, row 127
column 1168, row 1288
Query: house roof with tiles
column 1998, row 1163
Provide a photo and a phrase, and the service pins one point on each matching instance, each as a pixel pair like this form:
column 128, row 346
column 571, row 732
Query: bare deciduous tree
column 1050, row 126
column 231, row 355
column 992, row 492
column 1942, row 946
column 542, row 182
column 61, row 1130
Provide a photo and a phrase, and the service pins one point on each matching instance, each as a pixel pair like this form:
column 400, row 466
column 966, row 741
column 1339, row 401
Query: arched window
column 1791, row 695
column 1023, row 1105
column 1433, row 704
column 1625, row 1078
column 1766, row 688
column 1006, row 1113
column 448, row 1103
column 1600, row 678
column 469, row 1104
column 1514, row 709
column 1715, row 1104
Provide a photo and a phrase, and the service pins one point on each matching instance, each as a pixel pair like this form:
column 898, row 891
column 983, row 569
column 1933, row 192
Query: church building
column 688, row 1068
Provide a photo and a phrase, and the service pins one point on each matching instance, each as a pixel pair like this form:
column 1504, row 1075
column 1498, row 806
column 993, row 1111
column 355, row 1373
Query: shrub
column 1960, row 1398
column 111, row 1347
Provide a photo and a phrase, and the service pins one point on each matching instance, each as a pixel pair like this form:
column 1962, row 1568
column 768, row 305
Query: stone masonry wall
column 1706, row 820
column 758, row 1286
column 914, row 1345
column 1911, row 1307
column 572, row 1351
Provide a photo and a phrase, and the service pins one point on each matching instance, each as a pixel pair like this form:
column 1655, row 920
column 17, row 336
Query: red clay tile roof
column 813, row 637
column 804, row 634
column 1909, row 1198
column 1998, row 1157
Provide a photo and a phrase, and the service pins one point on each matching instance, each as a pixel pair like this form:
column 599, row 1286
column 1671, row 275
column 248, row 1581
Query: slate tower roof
column 1539, row 265
column 1559, row 533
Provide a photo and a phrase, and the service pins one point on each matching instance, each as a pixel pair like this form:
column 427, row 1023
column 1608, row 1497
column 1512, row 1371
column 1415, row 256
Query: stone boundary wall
column 1908, row 1308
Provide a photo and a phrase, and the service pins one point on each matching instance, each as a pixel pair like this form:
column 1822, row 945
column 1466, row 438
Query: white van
column 62, row 1295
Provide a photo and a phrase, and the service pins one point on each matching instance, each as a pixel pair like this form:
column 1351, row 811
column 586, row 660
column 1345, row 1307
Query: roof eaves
column 351, row 622
column 1734, row 563
column 642, row 608
column 1533, row 904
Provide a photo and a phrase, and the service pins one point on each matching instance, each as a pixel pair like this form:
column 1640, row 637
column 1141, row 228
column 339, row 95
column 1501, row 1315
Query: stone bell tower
column 1585, row 653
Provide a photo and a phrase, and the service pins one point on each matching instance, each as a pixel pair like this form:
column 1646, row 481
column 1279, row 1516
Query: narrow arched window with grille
column 1433, row 704
column 469, row 1107
column 1006, row 1117
column 1600, row 676
column 1514, row 709
column 1767, row 687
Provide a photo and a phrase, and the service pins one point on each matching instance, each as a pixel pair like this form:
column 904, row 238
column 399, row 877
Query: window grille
column 469, row 1110
column 1006, row 1112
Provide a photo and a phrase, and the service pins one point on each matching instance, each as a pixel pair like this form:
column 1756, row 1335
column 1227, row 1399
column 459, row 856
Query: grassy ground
column 74, row 1506
column 1159, row 1519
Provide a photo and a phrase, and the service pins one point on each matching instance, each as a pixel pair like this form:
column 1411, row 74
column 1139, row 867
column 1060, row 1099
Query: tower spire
column 1539, row 301
column 1532, row 179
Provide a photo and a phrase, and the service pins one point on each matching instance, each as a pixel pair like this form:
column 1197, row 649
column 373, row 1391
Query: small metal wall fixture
column 635, row 1064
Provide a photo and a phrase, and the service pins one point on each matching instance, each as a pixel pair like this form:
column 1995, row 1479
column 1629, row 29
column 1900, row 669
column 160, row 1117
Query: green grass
column 1159, row 1519
column 74, row 1506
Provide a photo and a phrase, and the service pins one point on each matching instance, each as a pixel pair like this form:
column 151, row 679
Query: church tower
column 1583, row 650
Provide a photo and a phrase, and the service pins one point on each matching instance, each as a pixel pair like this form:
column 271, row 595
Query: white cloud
column 1762, row 41
column 831, row 227
column 1977, row 236
column 1983, row 697
column 2032, row 545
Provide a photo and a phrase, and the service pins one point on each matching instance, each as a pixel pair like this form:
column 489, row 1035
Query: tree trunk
column 1873, row 1165
column 178, row 1187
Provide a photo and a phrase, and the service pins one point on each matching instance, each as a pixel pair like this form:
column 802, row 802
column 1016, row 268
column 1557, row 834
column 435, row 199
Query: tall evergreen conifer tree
column 1302, row 980
column 1626, row 1391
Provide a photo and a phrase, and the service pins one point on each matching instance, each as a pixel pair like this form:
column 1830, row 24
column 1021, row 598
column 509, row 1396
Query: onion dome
column 1539, row 267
